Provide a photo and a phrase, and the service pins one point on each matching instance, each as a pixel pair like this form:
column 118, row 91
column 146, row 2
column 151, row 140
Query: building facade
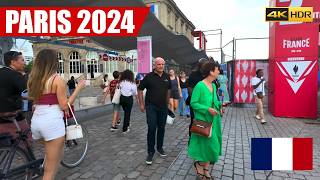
column 91, row 64
column 84, row 62
column 171, row 17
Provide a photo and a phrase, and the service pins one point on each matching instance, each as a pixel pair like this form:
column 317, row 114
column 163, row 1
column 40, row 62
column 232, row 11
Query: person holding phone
column 258, row 84
column 48, row 92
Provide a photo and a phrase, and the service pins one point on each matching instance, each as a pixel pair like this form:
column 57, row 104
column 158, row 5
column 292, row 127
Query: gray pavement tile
column 312, row 177
column 249, row 177
column 238, row 171
column 297, row 176
column 238, row 177
column 74, row 176
column 155, row 176
column 272, row 177
column 226, row 178
column 182, row 172
column 133, row 174
column 87, row 175
column 227, row 172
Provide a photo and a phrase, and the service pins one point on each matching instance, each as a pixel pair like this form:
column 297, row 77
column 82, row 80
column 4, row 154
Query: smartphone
column 87, row 82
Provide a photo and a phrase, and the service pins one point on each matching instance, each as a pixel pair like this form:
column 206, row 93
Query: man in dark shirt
column 12, row 82
column 72, row 85
column 158, row 88
column 12, row 85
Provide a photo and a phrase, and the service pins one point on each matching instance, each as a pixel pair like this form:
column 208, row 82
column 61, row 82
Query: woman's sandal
column 201, row 176
column 207, row 177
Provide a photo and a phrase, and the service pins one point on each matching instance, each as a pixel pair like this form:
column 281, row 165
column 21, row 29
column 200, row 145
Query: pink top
column 49, row 98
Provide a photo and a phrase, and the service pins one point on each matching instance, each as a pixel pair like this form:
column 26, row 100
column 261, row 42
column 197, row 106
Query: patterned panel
column 244, row 72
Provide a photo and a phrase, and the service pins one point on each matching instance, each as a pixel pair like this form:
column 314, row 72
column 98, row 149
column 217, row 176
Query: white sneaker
column 258, row 117
column 125, row 132
column 263, row 121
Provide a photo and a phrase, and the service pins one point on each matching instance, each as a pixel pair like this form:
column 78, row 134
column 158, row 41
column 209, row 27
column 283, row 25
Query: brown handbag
column 201, row 128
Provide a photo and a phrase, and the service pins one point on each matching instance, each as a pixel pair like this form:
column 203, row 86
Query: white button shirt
column 128, row 88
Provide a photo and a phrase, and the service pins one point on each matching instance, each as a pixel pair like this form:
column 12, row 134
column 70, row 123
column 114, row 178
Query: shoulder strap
column 47, row 83
column 54, row 77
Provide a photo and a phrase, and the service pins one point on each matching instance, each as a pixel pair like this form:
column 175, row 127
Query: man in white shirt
column 258, row 84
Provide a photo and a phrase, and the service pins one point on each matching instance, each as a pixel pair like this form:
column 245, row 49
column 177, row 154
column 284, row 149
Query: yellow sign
column 291, row 14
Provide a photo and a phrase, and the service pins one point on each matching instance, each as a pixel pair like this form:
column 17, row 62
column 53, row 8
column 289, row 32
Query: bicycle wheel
column 75, row 150
column 20, row 158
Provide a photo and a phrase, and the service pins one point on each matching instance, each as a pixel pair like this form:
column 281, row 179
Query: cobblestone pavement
column 115, row 156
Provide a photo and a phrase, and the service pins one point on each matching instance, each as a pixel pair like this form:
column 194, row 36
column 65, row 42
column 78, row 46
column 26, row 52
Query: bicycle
column 17, row 160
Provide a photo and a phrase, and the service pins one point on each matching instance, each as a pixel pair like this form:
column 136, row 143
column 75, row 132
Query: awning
column 164, row 43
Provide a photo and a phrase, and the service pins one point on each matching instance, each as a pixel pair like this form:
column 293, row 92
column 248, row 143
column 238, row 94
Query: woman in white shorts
column 48, row 91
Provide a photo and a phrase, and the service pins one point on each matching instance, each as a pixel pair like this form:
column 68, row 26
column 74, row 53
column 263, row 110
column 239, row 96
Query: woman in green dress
column 223, row 80
column 207, row 108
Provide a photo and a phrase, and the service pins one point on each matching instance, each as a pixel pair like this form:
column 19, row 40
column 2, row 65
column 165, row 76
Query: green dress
column 202, row 148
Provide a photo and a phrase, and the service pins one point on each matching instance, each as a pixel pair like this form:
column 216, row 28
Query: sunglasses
column 14, row 54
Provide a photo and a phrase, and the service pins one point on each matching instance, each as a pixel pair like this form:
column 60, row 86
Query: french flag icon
column 281, row 153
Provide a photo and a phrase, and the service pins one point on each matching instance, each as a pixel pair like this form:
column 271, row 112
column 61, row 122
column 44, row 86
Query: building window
column 176, row 25
column 107, row 66
column 169, row 17
column 101, row 68
column 61, row 63
column 113, row 66
column 182, row 27
column 74, row 63
column 92, row 62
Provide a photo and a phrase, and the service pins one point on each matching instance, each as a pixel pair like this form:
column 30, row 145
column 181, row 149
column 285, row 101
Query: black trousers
column 156, row 120
column 126, row 102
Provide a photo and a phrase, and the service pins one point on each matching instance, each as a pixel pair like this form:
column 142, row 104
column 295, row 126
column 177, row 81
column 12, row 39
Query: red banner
column 72, row 21
column 293, row 64
column 245, row 70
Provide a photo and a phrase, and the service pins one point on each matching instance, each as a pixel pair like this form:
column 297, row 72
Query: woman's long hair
column 44, row 66
column 127, row 75
column 105, row 78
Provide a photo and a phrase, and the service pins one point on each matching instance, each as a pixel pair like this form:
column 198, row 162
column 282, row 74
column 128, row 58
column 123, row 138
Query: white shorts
column 47, row 122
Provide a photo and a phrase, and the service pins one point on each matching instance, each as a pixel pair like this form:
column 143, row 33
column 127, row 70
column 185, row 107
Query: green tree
column 29, row 66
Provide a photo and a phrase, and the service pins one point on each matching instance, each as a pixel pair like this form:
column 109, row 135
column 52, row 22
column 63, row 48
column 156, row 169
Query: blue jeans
column 183, row 108
column 156, row 120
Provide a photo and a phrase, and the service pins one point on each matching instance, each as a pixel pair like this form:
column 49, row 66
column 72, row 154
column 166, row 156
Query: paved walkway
column 113, row 155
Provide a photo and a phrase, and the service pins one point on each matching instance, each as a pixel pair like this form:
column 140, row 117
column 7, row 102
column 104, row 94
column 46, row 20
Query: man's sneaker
column 125, row 132
column 258, row 117
column 263, row 121
column 115, row 128
column 161, row 152
column 118, row 123
column 149, row 159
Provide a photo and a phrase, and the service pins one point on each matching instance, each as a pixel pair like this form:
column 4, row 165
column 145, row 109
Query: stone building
column 171, row 17
column 82, row 58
